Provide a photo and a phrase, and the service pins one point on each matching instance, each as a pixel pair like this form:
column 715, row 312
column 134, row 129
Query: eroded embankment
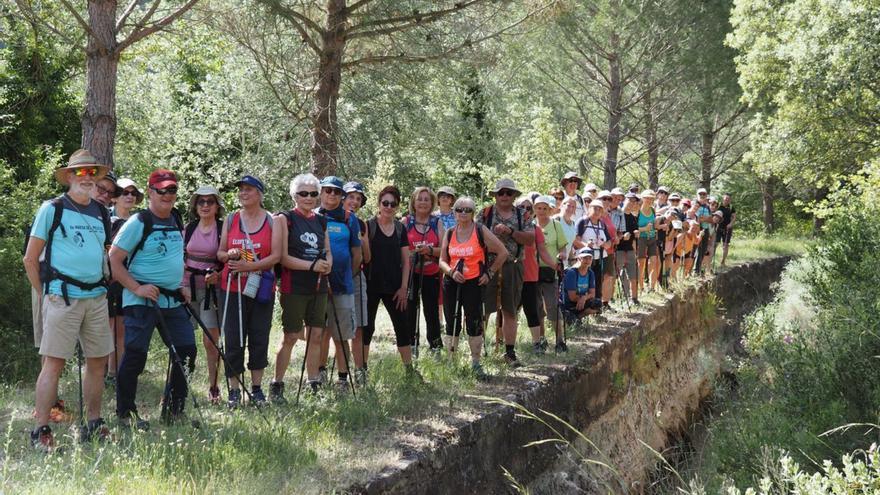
column 642, row 380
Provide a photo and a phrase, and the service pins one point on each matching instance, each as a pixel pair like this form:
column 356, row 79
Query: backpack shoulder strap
column 488, row 215
column 188, row 233
column 108, row 225
column 434, row 223
column 147, row 219
column 371, row 228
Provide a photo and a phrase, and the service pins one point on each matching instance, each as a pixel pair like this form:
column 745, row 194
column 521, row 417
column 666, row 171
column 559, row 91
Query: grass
column 745, row 250
column 324, row 444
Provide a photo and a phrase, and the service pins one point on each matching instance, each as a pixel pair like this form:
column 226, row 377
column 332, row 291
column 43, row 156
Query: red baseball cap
column 162, row 178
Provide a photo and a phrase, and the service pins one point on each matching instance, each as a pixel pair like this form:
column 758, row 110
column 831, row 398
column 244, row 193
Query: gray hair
column 465, row 199
column 301, row 181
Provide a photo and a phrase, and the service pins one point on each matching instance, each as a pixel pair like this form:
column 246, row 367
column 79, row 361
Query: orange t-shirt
column 470, row 251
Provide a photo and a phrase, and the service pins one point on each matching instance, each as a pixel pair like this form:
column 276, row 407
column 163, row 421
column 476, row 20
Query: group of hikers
column 559, row 256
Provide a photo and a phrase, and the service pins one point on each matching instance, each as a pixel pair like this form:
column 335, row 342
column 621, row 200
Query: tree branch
column 353, row 7
column 358, row 31
column 139, row 34
column 293, row 14
column 127, row 12
column 85, row 26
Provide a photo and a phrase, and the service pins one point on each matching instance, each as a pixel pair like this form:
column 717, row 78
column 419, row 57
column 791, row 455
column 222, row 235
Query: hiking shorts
column 360, row 300
column 511, row 289
column 626, row 262
column 608, row 265
column 549, row 303
column 84, row 320
column 343, row 306
column 647, row 247
column 297, row 309
column 209, row 316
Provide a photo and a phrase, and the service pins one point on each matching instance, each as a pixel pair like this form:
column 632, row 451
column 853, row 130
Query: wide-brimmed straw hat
column 79, row 159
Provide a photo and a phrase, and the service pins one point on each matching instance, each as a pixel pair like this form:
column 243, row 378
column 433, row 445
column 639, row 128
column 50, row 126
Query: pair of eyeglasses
column 104, row 190
column 167, row 190
column 332, row 191
column 307, row 194
column 389, row 204
column 129, row 192
column 606, row 199
column 206, row 202
column 464, row 210
column 84, row 171
column 505, row 192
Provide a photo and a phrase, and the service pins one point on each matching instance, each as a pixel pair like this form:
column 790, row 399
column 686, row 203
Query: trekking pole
column 79, row 365
column 240, row 320
column 341, row 342
column 457, row 321
column 410, row 291
column 418, row 302
column 223, row 327
column 166, row 338
column 222, row 354
column 309, row 331
column 499, row 318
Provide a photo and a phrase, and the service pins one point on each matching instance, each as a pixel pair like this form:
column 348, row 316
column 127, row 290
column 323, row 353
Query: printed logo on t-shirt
column 309, row 238
column 163, row 249
column 461, row 251
column 78, row 239
column 253, row 246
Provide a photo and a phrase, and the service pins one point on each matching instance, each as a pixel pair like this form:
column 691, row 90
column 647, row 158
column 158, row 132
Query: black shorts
column 723, row 235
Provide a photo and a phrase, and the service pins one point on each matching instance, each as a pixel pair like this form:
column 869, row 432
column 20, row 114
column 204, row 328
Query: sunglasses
column 84, row 171
column 464, row 210
column 129, row 192
column 307, row 194
column 606, row 199
column 389, row 204
column 104, row 190
column 206, row 202
column 505, row 192
column 332, row 191
column 527, row 208
column 167, row 190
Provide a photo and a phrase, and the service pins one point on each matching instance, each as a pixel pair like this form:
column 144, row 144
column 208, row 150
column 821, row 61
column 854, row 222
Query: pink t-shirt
column 201, row 248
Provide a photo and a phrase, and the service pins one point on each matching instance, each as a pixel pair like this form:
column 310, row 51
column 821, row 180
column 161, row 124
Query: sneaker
column 214, row 395
column 512, row 361
column 479, row 373
column 276, row 393
column 96, row 429
column 537, row 348
column 561, row 347
column 635, row 302
column 258, row 398
column 360, row 377
column 42, row 439
column 234, row 400
column 322, row 374
column 133, row 419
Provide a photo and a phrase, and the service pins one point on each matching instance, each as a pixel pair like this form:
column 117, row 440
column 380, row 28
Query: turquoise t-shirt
column 80, row 253
column 644, row 221
column 159, row 262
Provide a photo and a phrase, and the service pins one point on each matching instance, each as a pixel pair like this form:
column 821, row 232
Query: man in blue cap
column 345, row 246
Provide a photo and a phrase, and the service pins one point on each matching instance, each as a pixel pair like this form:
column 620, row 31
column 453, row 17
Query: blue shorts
column 140, row 320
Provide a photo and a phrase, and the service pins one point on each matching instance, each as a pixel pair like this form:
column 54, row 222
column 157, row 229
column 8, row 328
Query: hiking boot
column 258, row 398
column 133, row 419
column 360, row 377
column 276, row 393
column 537, row 348
column 234, row 400
column 214, row 396
column 96, row 429
column 436, row 353
column 479, row 373
column 42, row 439
column 315, row 385
column 512, row 361
column 561, row 347
column 607, row 307
column 322, row 375
column 635, row 302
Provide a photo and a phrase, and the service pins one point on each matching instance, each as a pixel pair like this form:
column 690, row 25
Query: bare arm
column 31, row 261
column 495, row 246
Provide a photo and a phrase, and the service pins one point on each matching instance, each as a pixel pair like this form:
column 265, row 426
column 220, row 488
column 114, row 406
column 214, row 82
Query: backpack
column 47, row 272
column 433, row 224
column 146, row 218
column 488, row 216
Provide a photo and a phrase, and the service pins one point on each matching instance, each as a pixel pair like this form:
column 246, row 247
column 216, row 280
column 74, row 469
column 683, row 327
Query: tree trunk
column 707, row 160
column 102, row 61
column 768, row 193
column 612, row 140
column 325, row 149
column 653, row 145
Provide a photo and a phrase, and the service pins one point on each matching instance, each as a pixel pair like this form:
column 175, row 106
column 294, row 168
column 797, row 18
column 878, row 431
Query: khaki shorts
column 209, row 316
column 511, row 289
column 549, row 304
column 37, row 315
column 343, row 304
column 85, row 319
column 297, row 309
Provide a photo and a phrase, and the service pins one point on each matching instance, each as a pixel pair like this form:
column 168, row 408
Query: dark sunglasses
column 83, row 171
column 464, row 210
column 206, row 202
column 129, row 192
column 306, row 194
column 389, row 204
column 505, row 192
column 527, row 207
column 606, row 199
column 167, row 190
column 332, row 190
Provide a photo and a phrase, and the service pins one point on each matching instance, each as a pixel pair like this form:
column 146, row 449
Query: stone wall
column 642, row 380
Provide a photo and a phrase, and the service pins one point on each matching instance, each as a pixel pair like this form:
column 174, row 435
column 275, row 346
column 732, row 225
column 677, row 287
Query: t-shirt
column 386, row 264
column 421, row 233
column 448, row 219
column 305, row 240
column 589, row 231
column 581, row 284
column 570, row 230
column 554, row 238
column 159, row 262
column 579, row 205
column 343, row 237
column 644, row 221
column 512, row 246
column 631, row 225
column 728, row 212
column 530, row 258
column 80, row 253
column 202, row 246
column 704, row 211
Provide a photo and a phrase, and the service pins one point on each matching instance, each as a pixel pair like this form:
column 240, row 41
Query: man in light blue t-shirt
column 151, row 281
column 64, row 261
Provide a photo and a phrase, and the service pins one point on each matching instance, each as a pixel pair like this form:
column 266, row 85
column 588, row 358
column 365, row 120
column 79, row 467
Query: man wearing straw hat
column 70, row 234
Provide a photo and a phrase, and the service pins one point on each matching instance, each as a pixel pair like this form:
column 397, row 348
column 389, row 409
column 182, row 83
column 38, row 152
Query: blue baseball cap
column 354, row 186
column 331, row 181
column 252, row 181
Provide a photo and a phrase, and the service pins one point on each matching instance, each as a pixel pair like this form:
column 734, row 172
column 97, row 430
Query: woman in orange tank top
column 463, row 256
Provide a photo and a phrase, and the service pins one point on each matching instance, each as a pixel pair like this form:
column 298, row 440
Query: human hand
column 400, row 298
column 187, row 294
column 147, row 291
